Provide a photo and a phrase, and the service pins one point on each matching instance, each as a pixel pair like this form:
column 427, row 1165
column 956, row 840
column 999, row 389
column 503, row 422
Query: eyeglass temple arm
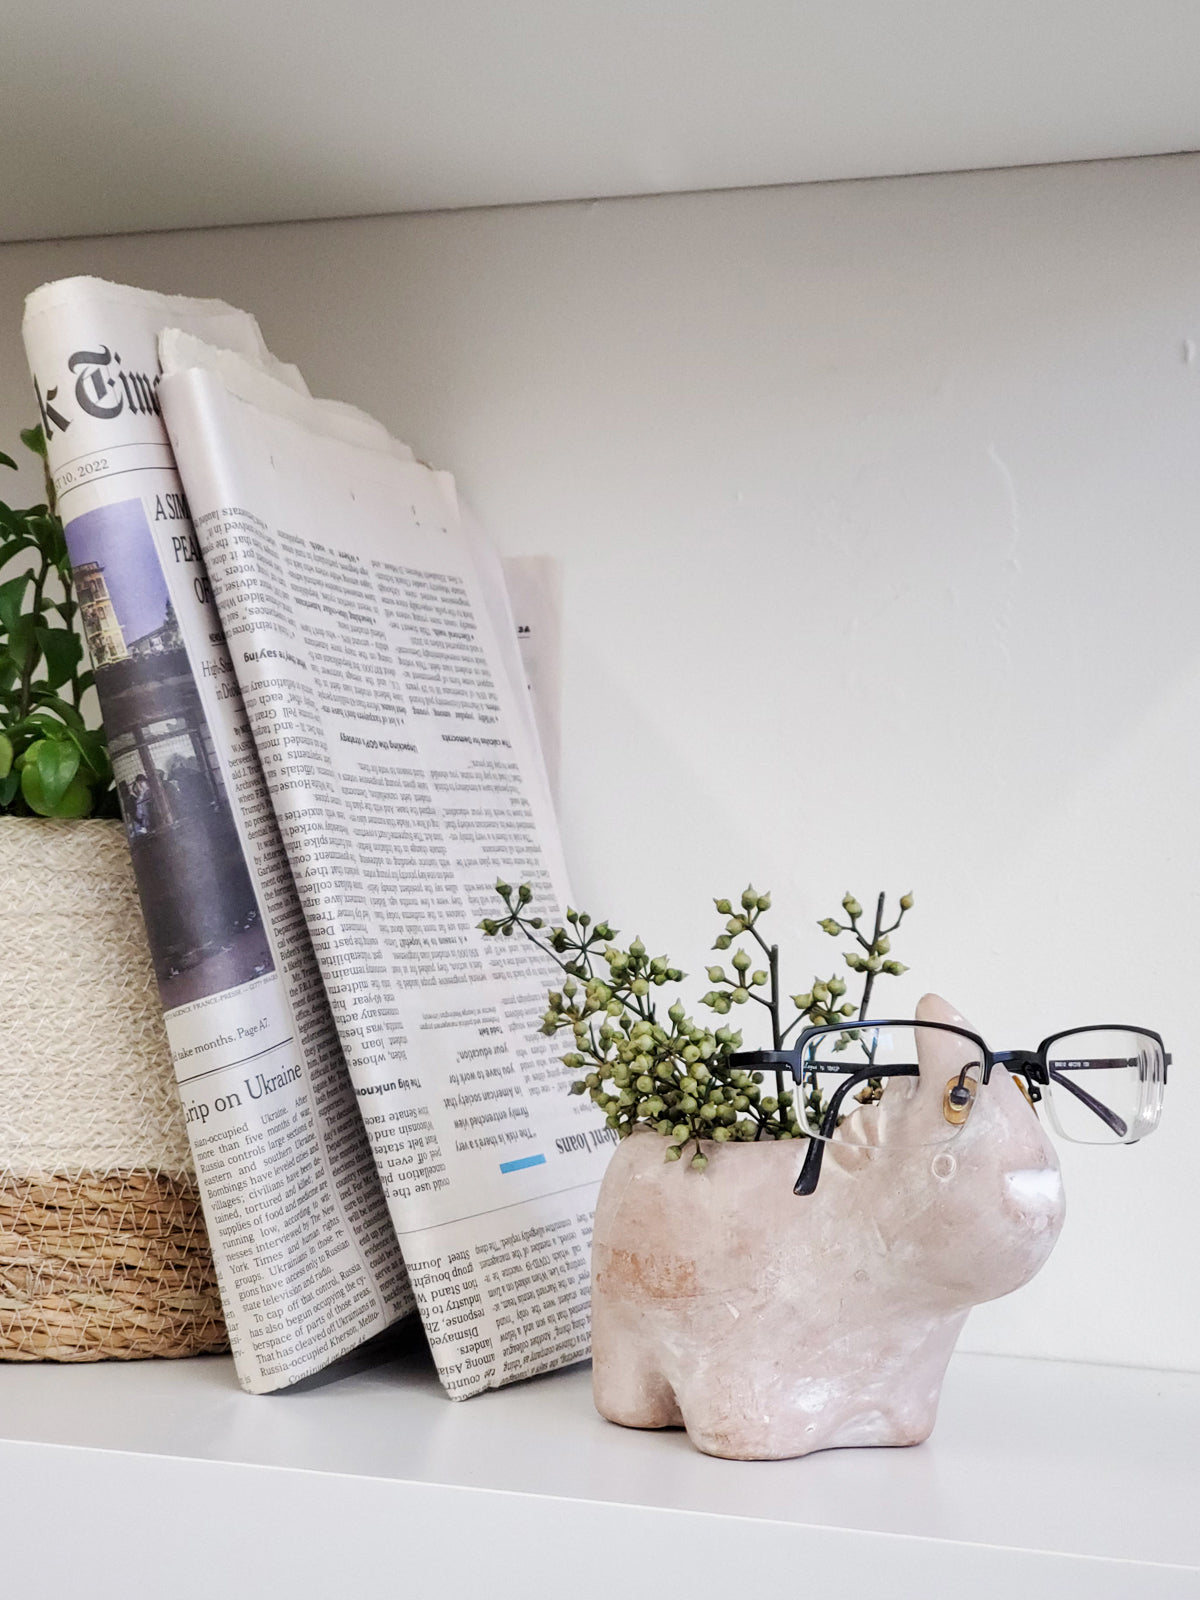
column 810, row 1172
column 1028, row 1064
column 1110, row 1118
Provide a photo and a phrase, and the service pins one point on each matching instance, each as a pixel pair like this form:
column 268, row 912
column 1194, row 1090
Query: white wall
column 878, row 506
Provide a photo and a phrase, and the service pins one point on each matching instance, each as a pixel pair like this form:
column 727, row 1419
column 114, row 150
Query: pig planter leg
column 771, row 1325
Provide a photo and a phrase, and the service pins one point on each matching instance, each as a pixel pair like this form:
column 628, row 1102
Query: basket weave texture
column 103, row 1251
column 101, row 1266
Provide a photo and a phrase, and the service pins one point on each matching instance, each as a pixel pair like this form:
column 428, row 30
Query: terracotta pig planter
column 770, row 1325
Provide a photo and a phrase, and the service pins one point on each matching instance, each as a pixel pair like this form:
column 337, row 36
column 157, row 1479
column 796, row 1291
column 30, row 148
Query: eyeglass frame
column 1032, row 1065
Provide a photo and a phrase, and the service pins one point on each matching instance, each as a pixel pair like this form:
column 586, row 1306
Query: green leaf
column 12, row 525
column 9, row 787
column 6, row 755
column 63, row 651
column 31, row 788
column 7, row 461
column 94, row 751
column 11, row 595
column 34, row 439
column 48, row 532
column 62, row 709
column 75, row 800
column 50, row 766
column 15, row 547
column 45, row 722
column 22, row 642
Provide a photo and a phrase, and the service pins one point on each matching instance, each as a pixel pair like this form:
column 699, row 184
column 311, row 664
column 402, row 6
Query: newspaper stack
column 323, row 743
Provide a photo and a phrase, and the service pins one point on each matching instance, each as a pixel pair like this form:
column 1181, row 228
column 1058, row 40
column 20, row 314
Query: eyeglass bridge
column 1027, row 1065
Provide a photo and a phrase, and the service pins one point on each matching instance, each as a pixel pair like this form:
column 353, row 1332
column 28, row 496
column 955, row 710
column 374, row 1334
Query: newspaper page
column 398, row 746
column 306, row 1258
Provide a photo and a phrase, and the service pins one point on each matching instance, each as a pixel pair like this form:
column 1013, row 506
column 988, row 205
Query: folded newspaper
column 323, row 742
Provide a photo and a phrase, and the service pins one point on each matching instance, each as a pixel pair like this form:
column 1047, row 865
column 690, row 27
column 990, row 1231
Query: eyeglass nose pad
column 957, row 1099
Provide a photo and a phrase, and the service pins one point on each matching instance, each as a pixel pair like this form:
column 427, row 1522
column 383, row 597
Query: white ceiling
column 135, row 114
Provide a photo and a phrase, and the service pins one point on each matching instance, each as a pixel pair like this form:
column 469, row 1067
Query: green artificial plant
column 52, row 764
column 673, row 1074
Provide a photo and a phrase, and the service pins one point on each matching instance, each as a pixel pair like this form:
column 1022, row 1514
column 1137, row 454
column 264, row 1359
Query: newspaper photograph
column 206, row 930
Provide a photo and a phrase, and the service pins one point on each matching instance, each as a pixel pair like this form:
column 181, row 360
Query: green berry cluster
column 675, row 1075
column 876, row 946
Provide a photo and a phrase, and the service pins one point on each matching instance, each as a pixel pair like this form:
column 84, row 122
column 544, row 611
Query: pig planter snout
column 770, row 1325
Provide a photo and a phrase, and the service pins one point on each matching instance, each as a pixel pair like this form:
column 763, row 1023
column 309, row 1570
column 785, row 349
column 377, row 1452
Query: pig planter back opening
column 771, row 1325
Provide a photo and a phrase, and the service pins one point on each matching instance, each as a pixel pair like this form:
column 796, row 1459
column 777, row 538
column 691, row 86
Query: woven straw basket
column 103, row 1251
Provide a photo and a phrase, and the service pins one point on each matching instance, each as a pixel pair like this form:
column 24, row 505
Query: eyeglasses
column 917, row 1083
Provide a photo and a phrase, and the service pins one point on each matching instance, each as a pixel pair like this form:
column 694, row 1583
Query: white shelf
column 1041, row 1479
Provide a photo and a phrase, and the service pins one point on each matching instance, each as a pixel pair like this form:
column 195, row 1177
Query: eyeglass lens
column 1106, row 1085
column 895, row 1085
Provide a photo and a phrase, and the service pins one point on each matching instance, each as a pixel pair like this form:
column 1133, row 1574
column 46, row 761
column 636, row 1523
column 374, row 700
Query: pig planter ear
column 771, row 1325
